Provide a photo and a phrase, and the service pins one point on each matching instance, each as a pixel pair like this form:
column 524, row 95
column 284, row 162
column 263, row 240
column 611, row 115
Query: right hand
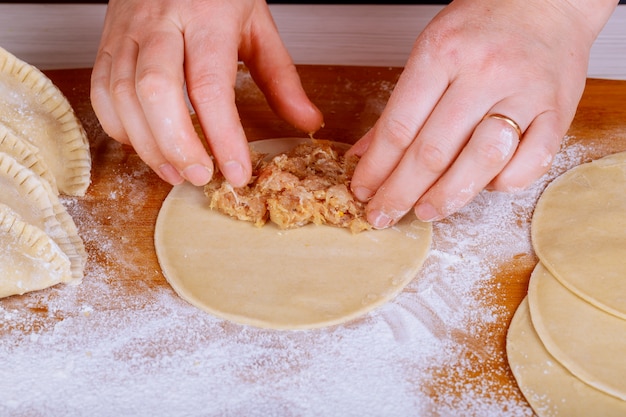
column 150, row 50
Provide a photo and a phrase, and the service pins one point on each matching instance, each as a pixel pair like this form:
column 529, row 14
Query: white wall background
column 66, row 35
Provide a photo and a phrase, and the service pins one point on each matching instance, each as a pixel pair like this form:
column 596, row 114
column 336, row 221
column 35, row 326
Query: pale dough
column 32, row 198
column 26, row 154
column 37, row 111
column 587, row 341
column 29, row 260
column 579, row 231
column 43, row 150
column 308, row 277
column 550, row 388
column 567, row 340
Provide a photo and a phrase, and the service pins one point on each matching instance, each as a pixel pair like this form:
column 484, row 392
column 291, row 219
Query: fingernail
column 234, row 173
column 198, row 174
column 362, row 193
column 427, row 213
column 378, row 219
column 170, row 174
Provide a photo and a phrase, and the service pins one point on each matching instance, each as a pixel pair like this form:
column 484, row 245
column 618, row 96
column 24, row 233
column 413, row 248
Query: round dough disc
column 307, row 277
column 551, row 389
column 578, row 231
column 589, row 342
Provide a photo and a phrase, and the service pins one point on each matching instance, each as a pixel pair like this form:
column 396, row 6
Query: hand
column 151, row 50
column 432, row 149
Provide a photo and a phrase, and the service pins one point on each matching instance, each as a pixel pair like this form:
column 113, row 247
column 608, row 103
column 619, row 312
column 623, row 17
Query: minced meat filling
column 309, row 184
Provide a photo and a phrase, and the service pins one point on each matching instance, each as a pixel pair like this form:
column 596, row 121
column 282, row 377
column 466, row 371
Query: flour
column 433, row 351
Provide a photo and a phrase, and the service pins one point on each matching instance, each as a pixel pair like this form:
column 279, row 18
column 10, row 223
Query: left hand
column 432, row 149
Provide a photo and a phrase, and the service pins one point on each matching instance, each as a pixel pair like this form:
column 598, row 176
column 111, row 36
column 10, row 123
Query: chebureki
column 308, row 184
column 44, row 152
column 31, row 258
column 37, row 111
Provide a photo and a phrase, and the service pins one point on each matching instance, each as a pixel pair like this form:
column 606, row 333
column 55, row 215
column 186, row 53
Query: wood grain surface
column 116, row 219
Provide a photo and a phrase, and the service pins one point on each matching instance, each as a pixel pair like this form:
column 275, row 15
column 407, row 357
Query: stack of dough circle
column 44, row 152
column 307, row 277
column 567, row 341
column 550, row 388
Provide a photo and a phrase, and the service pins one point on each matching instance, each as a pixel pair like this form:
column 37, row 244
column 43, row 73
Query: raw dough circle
column 308, row 277
column 550, row 388
column 587, row 341
column 578, row 231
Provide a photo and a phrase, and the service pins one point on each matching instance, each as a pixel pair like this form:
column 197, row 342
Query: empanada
column 30, row 259
column 38, row 111
column 32, row 198
column 26, row 154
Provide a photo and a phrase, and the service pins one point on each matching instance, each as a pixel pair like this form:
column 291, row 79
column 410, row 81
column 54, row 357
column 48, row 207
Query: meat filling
column 309, row 184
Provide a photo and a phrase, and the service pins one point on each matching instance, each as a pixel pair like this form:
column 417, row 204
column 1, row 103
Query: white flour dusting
column 67, row 352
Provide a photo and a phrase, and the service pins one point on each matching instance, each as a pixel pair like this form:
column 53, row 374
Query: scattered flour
column 434, row 351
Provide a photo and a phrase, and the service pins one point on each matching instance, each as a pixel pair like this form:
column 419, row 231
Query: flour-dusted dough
column 549, row 387
column 579, row 231
column 308, row 277
column 589, row 342
column 26, row 154
column 29, row 260
column 32, row 198
column 39, row 112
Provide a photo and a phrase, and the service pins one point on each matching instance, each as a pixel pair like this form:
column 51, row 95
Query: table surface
column 123, row 342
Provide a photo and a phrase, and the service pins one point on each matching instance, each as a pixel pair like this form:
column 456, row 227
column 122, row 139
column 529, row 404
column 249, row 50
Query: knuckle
column 208, row 88
column 122, row 87
column 398, row 133
column 433, row 157
column 153, row 83
column 493, row 153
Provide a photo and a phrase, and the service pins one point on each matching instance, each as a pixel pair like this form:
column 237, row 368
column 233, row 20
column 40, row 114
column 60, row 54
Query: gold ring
column 506, row 119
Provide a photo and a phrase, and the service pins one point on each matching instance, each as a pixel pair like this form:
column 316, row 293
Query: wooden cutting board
column 123, row 343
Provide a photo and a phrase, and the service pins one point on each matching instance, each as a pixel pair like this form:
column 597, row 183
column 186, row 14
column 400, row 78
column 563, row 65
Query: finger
column 534, row 156
column 211, row 70
column 160, row 92
column 489, row 149
column 410, row 104
column 100, row 93
column 362, row 145
column 274, row 72
column 425, row 160
column 101, row 100
column 126, row 103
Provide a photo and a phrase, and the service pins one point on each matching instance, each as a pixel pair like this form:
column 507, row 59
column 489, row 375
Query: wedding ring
column 506, row 119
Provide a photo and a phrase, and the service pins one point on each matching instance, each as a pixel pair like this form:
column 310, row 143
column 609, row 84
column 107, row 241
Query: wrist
column 589, row 14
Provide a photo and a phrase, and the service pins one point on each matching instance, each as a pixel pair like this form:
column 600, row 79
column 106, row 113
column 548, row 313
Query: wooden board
column 123, row 343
